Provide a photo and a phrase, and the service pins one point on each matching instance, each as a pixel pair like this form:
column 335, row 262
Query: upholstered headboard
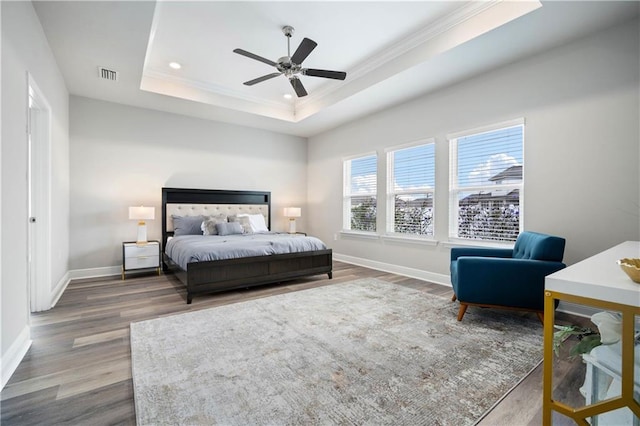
column 211, row 202
column 213, row 210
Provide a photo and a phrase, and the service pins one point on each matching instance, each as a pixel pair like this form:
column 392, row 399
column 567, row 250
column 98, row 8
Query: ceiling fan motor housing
column 287, row 67
column 285, row 62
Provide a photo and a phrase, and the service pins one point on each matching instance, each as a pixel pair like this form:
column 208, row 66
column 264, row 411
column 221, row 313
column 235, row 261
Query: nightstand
column 137, row 257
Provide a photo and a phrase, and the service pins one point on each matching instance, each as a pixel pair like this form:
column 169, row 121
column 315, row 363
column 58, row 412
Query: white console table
column 599, row 282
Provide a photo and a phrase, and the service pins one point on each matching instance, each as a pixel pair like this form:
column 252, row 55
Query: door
column 38, row 199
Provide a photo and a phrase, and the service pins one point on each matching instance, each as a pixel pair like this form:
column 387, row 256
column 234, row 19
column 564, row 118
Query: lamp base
column 292, row 226
column 142, row 234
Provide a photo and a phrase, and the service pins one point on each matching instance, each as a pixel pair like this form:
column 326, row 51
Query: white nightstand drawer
column 140, row 262
column 139, row 257
column 133, row 250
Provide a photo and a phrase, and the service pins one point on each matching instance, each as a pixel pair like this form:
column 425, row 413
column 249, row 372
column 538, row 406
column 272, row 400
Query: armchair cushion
column 532, row 245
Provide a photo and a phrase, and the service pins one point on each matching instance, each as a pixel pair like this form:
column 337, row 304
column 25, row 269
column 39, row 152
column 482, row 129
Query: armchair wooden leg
column 462, row 310
column 540, row 317
column 454, row 298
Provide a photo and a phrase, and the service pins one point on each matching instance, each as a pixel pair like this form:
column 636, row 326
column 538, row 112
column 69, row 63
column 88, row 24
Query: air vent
column 107, row 74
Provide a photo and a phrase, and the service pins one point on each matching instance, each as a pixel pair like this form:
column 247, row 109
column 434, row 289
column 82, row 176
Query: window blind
column 411, row 180
column 360, row 200
column 486, row 184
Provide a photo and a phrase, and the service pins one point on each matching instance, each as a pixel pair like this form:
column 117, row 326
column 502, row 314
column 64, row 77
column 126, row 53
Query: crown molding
column 467, row 22
column 400, row 47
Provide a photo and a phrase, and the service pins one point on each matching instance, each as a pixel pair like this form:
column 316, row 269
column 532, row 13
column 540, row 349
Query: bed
column 222, row 274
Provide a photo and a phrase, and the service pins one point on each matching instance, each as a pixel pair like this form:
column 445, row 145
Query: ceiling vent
column 107, row 74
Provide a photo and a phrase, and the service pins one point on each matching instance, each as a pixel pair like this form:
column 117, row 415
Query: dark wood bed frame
column 221, row 275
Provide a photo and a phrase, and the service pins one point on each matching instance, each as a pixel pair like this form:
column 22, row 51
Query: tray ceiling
column 391, row 51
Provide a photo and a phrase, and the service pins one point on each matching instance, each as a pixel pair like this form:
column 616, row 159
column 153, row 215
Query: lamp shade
column 142, row 213
column 292, row 211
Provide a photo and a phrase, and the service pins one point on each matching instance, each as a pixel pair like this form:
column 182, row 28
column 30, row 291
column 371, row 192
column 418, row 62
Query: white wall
column 25, row 49
column 580, row 103
column 122, row 156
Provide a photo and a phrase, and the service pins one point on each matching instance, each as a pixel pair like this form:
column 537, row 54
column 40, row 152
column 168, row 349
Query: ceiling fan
column 291, row 66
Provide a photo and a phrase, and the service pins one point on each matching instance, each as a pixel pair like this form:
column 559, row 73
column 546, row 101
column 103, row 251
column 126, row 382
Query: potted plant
column 609, row 331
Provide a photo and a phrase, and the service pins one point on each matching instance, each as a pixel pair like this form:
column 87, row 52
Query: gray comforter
column 199, row 248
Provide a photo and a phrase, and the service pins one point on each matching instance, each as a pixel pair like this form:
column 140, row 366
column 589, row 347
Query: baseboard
column 106, row 271
column 395, row 269
column 60, row 288
column 14, row 355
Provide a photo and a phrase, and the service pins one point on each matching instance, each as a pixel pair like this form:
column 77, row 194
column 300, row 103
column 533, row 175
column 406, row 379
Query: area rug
column 361, row 352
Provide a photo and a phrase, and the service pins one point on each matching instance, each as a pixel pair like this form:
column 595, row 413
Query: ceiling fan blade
column 298, row 87
column 336, row 75
column 261, row 79
column 254, row 56
column 306, row 46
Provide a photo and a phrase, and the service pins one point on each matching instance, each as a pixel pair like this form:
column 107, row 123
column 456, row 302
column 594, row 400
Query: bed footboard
column 229, row 274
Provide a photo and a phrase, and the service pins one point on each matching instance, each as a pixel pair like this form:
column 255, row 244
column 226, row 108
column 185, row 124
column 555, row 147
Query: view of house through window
column 486, row 183
column 410, row 185
column 360, row 193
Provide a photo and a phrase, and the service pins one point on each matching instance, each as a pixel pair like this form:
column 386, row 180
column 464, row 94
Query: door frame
column 39, row 135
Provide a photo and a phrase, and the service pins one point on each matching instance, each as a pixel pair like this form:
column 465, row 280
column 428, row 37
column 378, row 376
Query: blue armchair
column 505, row 278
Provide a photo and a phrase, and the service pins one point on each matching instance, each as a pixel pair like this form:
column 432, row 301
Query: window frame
column 347, row 196
column 455, row 188
column 391, row 192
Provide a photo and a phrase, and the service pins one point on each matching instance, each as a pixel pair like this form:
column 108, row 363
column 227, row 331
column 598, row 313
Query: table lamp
column 292, row 213
column 141, row 214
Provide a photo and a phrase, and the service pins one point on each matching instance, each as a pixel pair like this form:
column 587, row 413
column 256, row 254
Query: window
column 360, row 190
column 486, row 182
column 410, row 183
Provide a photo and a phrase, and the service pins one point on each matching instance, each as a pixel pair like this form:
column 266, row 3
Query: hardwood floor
column 78, row 369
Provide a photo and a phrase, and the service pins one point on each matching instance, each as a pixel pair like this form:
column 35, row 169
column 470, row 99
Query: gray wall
column 25, row 49
column 122, row 156
column 580, row 103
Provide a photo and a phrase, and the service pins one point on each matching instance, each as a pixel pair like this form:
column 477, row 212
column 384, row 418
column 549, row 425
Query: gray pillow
column 244, row 222
column 187, row 225
column 229, row 228
column 209, row 225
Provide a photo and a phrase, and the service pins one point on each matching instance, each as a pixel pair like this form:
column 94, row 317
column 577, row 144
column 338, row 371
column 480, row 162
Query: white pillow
column 257, row 222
